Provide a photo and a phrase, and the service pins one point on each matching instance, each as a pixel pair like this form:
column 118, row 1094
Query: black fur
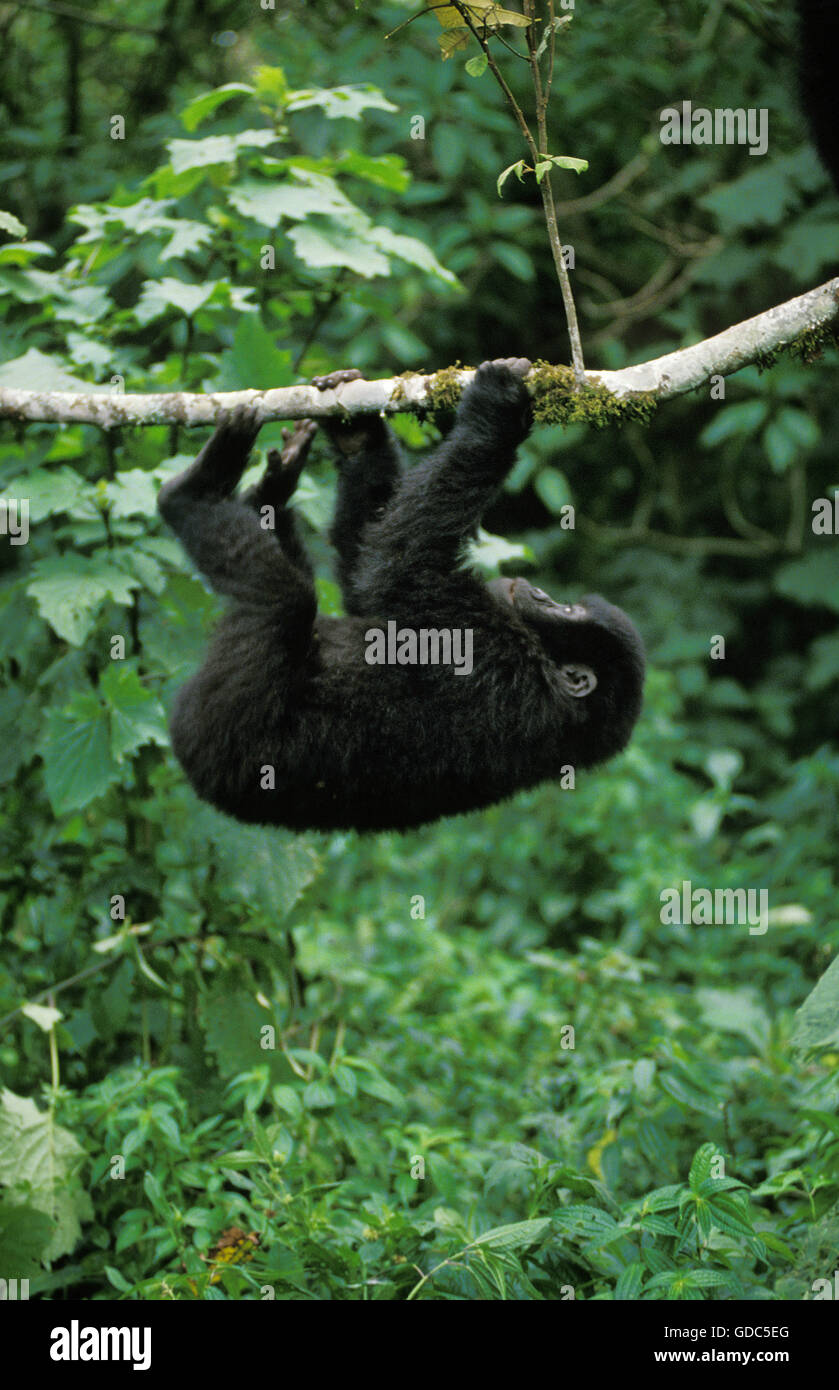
column 818, row 58
column 379, row 747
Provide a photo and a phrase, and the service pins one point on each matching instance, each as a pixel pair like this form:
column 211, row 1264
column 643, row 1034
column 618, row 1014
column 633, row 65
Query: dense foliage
column 473, row 1061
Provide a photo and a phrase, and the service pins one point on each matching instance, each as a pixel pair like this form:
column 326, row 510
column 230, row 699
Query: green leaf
column 723, row 765
column 327, row 247
column 157, row 297
column 823, row 659
column 516, row 1236
column 345, row 1079
column 34, row 371
column 813, row 580
column 137, row 717
column 787, row 436
column 517, row 169
column 700, row 1168
column 412, row 250
column 742, row 418
column 199, row 108
column 552, row 488
column 76, row 749
column 385, row 170
column 477, row 66
column 39, row 1164
column 70, row 589
column 629, row 1282
column 53, row 491
column 310, row 193
column 132, row 493
column 214, row 150
column 318, row 1096
column 341, row 102
column 488, row 552
column 729, row 1214
column 45, row 1018
column 817, row 1021
column 10, row 223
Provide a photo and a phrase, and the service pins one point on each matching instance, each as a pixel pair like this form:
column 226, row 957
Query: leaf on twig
column 518, row 169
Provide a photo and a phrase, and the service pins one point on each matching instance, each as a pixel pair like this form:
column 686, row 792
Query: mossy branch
column 803, row 327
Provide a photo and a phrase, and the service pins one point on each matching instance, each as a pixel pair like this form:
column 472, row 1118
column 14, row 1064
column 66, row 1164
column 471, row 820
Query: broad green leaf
column 34, row 371
column 318, row 1096
column 215, row 149
column 410, row 249
column 76, row 749
column 337, row 102
column 157, row 297
column 268, row 203
column 52, row 492
column 324, row 248
column 385, row 170
column 132, row 493
column 39, row 1164
column 69, row 590
column 137, row 717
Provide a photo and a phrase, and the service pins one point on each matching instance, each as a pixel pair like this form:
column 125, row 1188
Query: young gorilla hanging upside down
column 287, row 722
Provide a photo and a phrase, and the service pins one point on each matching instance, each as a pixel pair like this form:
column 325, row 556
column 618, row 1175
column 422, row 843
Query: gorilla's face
column 588, row 640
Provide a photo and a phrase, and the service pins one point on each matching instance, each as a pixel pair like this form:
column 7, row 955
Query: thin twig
column 84, row 17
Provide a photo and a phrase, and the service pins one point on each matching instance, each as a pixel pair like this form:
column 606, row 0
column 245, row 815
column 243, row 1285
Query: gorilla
column 372, row 721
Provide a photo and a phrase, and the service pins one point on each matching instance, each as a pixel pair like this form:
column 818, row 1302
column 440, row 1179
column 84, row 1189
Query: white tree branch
column 671, row 375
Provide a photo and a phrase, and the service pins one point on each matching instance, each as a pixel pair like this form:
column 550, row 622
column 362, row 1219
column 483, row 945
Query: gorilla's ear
column 578, row 680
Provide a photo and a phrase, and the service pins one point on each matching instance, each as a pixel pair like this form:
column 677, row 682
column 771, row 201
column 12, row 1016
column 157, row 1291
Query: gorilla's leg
column 269, row 496
column 224, row 537
column 369, row 467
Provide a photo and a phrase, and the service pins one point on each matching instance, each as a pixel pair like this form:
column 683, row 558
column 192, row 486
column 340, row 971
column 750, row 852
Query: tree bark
column 664, row 377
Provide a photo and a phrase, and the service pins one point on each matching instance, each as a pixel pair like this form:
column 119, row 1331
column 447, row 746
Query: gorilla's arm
column 415, row 546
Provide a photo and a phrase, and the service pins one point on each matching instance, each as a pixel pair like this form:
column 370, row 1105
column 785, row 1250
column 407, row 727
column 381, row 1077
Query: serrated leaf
column 318, row 1096
column 69, row 590
column 76, row 749
column 629, row 1282
column 342, row 102
column 516, row 1236
column 137, row 716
